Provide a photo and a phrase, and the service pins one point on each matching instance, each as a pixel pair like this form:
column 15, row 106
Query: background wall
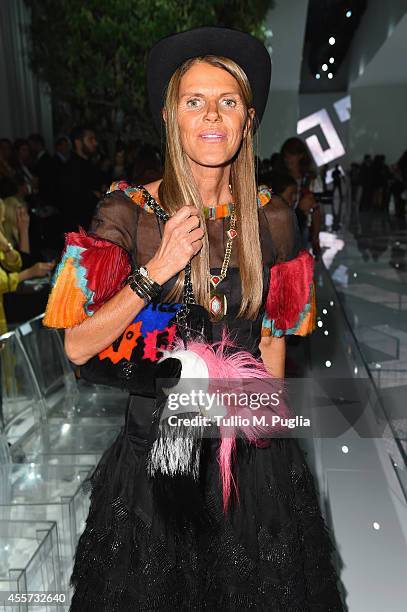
column 287, row 23
column 25, row 106
column 378, row 24
column 379, row 100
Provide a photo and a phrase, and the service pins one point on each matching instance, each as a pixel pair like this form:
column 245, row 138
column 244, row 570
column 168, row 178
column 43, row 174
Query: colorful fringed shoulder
column 291, row 306
column 264, row 195
column 140, row 196
column 137, row 194
column 90, row 272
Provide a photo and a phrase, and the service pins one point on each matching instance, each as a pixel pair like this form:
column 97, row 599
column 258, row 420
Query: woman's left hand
column 307, row 202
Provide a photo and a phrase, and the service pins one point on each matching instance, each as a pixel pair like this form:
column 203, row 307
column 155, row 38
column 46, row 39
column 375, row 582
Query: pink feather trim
column 289, row 290
column 246, row 375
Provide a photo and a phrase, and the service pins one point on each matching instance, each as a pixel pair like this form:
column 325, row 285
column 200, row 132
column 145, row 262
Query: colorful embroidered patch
column 147, row 335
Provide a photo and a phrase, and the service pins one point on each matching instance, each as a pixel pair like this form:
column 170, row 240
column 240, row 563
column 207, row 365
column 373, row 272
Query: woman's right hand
column 42, row 268
column 4, row 243
column 38, row 270
column 182, row 240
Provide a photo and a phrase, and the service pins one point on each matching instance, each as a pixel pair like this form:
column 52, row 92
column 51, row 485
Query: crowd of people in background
column 373, row 183
column 43, row 195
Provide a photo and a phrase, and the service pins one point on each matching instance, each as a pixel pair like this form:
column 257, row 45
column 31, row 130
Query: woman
column 164, row 541
column 11, row 273
column 17, row 219
column 295, row 159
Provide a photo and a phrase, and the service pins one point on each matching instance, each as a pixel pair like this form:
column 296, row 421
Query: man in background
column 43, row 168
column 80, row 180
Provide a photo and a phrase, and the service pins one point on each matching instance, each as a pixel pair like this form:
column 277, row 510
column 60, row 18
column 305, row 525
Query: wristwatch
column 144, row 272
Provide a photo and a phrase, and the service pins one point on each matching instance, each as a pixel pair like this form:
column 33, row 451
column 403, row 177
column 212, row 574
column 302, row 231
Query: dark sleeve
column 283, row 230
column 94, row 265
column 115, row 219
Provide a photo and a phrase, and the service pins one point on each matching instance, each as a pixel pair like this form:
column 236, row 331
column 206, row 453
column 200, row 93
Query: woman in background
column 296, row 159
column 16, row 219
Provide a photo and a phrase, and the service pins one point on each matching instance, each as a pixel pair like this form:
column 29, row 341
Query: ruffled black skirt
column 169, row 546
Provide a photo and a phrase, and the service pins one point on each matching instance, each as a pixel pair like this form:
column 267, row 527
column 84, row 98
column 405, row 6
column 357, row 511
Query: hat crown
column 169, row 53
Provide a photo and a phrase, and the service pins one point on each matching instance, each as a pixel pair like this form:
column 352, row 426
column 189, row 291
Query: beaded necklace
column 142, row 198
column 218, row 302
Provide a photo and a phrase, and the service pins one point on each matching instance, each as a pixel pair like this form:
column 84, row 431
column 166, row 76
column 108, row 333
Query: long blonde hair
column 178, row 188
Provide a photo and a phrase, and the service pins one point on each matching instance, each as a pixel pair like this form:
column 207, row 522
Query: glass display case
column 30, row 562
column 48, row 493
column 64, row 394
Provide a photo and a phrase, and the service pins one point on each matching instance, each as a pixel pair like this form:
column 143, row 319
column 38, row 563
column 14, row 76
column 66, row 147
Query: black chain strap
column 188, row 297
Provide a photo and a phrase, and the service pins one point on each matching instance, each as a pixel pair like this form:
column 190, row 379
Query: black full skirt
column 271, row 552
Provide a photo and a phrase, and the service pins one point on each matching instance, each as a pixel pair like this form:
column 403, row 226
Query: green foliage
column 92, row 53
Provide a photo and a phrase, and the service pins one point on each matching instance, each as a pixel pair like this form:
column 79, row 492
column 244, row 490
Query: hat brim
column 171, row 52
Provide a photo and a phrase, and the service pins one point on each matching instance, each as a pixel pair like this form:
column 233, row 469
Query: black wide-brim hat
column 171, row 52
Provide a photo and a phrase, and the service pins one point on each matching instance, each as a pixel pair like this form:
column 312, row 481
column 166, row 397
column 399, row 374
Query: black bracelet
column 137, row 289
column 145, row 288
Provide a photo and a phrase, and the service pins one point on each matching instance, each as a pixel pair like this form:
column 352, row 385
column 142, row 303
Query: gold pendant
column 218, row 305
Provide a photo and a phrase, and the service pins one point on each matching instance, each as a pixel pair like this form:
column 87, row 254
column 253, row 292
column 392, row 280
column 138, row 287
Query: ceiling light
column 317, row 76
column 328, row 363
column 348, row 14
column 331, row 60
column 330, row 75
column 332, row 40
column 324, row 67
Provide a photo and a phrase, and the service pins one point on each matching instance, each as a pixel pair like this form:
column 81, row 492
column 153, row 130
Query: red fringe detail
column 107, row 265
column 289, row 290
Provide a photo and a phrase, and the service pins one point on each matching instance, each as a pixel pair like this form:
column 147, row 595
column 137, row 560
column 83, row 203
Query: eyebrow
column 227, row 93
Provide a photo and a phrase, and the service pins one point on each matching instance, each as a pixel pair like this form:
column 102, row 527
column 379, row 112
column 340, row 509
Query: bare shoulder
column 277, row 210
column 153, row 188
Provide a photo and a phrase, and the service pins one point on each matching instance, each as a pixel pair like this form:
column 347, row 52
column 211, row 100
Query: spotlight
column 324, row 67
column 331, row 60
column 348, row 14
column 330, row 75
column 317, row 76
column 332, row 40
